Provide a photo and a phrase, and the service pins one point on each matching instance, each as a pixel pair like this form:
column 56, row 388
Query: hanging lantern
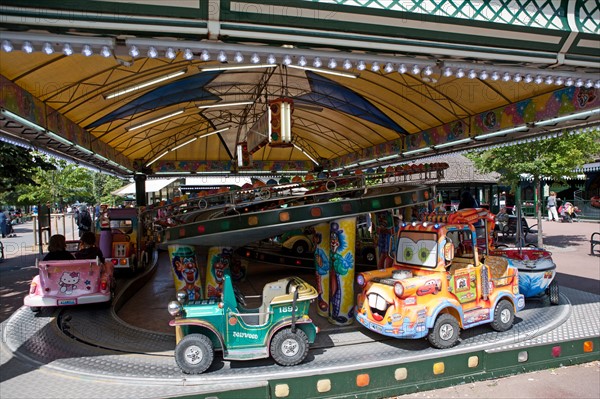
column 280, row 117
column 244, row 158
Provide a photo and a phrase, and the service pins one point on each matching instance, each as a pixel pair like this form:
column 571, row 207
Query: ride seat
column 498, row 270
column 462, row 263
column 270, row 291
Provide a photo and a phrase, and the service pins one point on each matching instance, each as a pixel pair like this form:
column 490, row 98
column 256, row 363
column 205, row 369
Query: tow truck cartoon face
column 434, row 288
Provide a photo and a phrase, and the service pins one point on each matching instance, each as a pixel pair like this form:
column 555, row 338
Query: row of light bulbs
column 48, row 48
column 331, row 63
column 518, row 77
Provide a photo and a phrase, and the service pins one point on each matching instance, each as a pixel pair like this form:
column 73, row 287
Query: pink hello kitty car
column 71, row 282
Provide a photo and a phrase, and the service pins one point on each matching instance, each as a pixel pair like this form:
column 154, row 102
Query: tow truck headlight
column 182, row 297
column 398, row 289
column 174, row 308
column 360, row 280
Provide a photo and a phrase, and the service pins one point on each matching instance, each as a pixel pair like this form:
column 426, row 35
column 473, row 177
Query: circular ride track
column 204, row 86
column 95, row 346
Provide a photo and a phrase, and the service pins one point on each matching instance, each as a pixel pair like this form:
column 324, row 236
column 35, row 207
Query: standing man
column 551, row 206
column 84, row 221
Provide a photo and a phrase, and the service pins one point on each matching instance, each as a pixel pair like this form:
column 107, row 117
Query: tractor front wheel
column 289, row 348
column 194, row 354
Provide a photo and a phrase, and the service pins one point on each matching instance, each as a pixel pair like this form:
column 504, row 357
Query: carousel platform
column 127, row 350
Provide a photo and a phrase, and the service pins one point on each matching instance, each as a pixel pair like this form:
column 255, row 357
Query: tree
column 555, row 158
column 17, row 167
column 68, row 184
column 29, row 177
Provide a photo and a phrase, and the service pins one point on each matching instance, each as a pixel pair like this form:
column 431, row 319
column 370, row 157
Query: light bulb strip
column 58, row 138
column 41, row 38
column 186, row 143
column 235, row 67
column 585, row 114
column 157, row 158
column 144, row 84
column 232, row 104
column 325, row 71
column 501, row 133
column 417, row 151
column 452, row 143
column 153, row 121
column 305, row 153
column 23, row 121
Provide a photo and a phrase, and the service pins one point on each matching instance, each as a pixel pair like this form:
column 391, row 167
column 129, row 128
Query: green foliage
column 18, row 165
column 28, row 178
column 554, row 158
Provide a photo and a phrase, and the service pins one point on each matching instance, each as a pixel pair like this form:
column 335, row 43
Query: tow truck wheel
column 504, row 315
column 553, row 293
column 194, row 354
column 288, row 348
column 445, row 331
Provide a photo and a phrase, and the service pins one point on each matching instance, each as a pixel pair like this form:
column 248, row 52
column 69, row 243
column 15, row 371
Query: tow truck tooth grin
column 378, row 306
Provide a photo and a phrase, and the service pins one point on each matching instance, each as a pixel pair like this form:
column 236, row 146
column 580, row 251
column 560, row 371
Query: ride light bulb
column 188, row 54
column 152, row 52
column 170, row 53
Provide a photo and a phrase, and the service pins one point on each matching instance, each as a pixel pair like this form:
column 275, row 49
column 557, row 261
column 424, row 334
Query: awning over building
column 152, row 186
column 589, row 167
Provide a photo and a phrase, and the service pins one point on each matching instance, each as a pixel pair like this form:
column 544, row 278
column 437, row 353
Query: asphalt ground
column 576, row 268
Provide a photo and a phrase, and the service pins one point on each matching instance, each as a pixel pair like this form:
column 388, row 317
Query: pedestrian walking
column 551, row 206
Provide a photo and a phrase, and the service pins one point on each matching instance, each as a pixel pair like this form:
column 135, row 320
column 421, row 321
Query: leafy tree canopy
column 553, row 158
column 28, row 178
column 18, row 166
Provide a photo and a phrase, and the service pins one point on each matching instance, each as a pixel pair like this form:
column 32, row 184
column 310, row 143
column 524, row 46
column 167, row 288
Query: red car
column 430, row 287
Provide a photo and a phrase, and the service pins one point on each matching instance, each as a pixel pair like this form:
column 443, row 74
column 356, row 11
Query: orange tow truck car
column 443, row 280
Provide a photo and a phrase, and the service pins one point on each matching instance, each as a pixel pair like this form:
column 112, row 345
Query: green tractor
column 279, row 328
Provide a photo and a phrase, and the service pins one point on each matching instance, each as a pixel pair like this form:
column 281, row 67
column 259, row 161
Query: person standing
column 84, row 221
column 551, row 206
column 3, row 223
